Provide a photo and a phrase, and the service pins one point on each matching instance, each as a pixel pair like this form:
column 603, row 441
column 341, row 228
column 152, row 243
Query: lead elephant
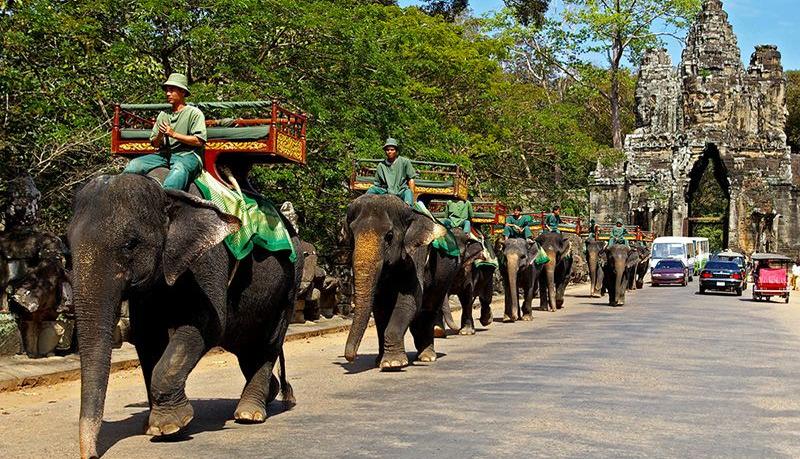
column 397, row 275
column 555, row 274
column 593, row 249
column 619, row 261
column 161, row 249
column 517, row 267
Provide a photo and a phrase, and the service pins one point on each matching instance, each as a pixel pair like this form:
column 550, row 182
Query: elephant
column 516, row 256
column 470, row 282
column 162, row 250
column 619, row 261
column 398, row 276
column 555, row 274
column 593, row 249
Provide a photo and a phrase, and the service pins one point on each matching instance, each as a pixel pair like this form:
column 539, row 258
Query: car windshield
column 669, row 250
column 722, row 265
column 738, row 260
column 669, row 264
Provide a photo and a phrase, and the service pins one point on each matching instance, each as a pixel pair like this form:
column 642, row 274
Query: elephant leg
column 381, row 322
column 170, row 409
column 422, row 331
column 260, row 389
column 394, row 356
column 486, row 305
column 150, row 338
column 527, row 307
column 466, row 298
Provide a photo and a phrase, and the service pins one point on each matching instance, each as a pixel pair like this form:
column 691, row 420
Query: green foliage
column 793, row 104
column 363, row 70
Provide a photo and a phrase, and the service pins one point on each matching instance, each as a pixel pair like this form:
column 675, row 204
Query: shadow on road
column 209, row 415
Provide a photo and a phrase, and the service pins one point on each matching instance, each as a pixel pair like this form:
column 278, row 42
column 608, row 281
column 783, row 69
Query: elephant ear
column 566, row 245
column 417, row 239
column 195, row 226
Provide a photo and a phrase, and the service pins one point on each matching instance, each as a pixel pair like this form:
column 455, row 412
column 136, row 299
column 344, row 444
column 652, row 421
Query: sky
column 754, row 22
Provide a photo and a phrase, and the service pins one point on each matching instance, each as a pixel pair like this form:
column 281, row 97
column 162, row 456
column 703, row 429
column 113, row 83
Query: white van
column 674, row 248
column 701, row 253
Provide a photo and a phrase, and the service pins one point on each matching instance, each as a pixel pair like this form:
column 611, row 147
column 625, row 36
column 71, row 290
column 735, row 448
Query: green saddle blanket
column 488, row 257
column 446, row 244
column 261, row 222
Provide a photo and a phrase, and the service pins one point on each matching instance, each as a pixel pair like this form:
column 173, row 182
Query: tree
column 448, row 9
column 528, row 12
column 614, row 30
column 793, row 104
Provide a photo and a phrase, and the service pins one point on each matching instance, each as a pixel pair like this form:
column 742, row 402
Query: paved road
column 670, row 374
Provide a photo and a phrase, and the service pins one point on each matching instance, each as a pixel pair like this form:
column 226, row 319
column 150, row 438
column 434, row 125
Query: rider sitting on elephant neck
column 185, row 131
column 618, row 233
column 395, row 175
column 458, row 215
column 517, row 225
column 553, row 220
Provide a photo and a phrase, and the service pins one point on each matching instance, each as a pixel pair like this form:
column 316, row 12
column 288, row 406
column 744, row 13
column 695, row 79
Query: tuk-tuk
column 770, row 276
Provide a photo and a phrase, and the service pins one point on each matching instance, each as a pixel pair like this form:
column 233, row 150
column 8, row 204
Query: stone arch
column 708, row 197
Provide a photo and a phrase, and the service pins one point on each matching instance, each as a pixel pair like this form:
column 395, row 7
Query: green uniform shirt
column 551, row 221
column 395, row 176
column 618, row 232
column 458, row 212
column 523, row 221
column 189, row 121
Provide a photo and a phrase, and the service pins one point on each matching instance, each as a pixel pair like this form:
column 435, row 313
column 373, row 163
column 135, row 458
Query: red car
column 669, row 272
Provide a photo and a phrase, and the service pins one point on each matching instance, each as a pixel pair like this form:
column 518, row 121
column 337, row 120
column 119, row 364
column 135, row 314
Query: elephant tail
column 448, row 314
column 287, row 393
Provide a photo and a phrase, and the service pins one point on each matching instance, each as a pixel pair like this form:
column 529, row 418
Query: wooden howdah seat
column 569, row 224
column 634, row 233
column 435, row 180
column 270, row 134
column 483, row 212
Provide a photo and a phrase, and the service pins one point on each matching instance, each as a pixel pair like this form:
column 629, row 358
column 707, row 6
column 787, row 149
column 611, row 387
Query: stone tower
column 708, row 109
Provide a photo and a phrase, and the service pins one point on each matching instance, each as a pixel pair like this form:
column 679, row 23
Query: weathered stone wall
column 708, row 108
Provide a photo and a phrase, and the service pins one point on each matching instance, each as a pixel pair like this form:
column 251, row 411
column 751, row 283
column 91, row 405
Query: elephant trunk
column 447, row 313
column 550, row 273
column 512, row 265
column 97, row 297
column 591, row 260
column 366, row 272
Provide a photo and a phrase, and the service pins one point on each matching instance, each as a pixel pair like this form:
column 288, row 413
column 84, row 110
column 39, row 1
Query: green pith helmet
column 391, row 142
column 178, row 80
column 619, row 222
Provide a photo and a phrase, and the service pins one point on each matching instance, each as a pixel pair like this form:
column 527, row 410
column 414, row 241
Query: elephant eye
column 131, row 244
column 389, row 236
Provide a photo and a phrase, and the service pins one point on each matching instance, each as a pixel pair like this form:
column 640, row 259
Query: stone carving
column 708, row 107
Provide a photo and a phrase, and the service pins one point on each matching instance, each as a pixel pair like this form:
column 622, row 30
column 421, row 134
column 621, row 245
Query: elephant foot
column 508, row 319
column 439, row 332
column 527, row 317
column 487, row 319
column 169, row 421
column 427, row 355
column 467, row 330
column 394, row 361
column 248, row 412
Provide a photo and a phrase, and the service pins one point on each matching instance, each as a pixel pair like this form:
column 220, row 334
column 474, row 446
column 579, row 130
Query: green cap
column 619, row 221
column 178, row 80
column 390, row 142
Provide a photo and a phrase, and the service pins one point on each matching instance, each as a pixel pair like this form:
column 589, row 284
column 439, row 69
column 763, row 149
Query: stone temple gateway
column 708, row 110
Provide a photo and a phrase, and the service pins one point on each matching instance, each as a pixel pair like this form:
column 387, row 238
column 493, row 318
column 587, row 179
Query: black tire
column 702, row 290
column 739, row 291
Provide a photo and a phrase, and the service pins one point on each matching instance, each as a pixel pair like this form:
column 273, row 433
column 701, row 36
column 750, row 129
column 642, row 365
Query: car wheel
column 786, row 300
column 702, row 289
column 739, row 292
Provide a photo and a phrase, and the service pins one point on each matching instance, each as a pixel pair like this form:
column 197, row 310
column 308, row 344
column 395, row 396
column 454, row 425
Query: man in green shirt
column 395, row 175
column 552, row 220
column 180, row 137
column 517, row 225
column 458, row 215
column 618, row 233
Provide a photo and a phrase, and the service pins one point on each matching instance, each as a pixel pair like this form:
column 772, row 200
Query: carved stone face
column 705, row 103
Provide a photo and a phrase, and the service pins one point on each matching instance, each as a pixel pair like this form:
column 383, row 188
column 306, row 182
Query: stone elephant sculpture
column 398, row 277
column 161, row 249
column 518, row 271
column 555, row 274
column 619, row 261
column 593, row 249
